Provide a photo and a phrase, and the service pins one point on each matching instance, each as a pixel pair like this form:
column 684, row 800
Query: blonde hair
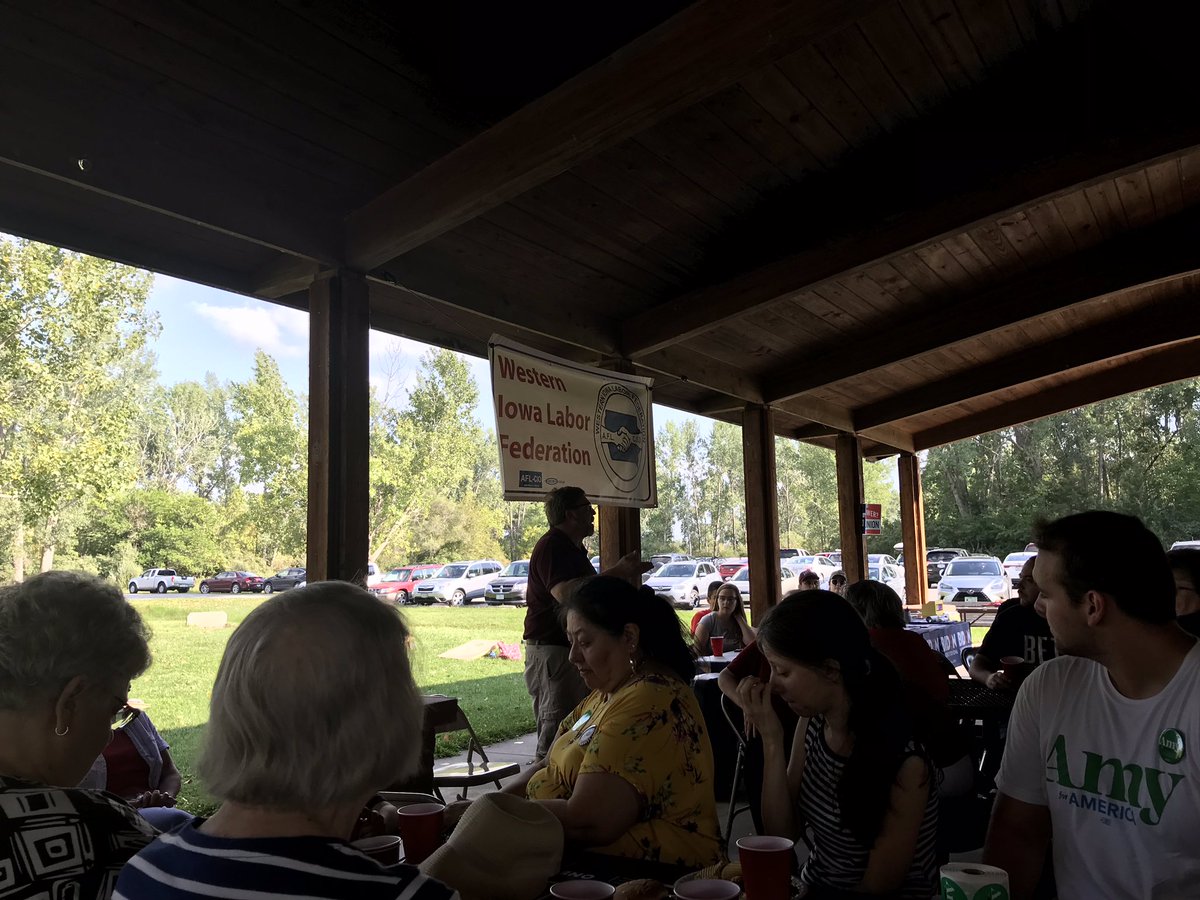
column 314, row 704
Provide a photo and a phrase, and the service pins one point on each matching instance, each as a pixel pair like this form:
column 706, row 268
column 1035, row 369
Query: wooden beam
column 1158, row 252
column 284, row 275
column 912, row 526
column 1168, row 322
column 338, row 428
column 851, row 496
column 1155, row 367
column 762, row 509
column 696, row 368
column 706, row 47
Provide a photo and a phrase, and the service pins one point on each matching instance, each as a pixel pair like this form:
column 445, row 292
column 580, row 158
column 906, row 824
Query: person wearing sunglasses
column 69, row 646
column 137, row 765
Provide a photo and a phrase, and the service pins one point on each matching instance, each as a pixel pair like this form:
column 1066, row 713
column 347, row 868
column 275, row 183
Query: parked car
column 979, row 579
column 658, row 560
column 822, row 565
column 232, row 582
column 1014, row 562
column 457, row 583
column 789, row 580
column 1186, row 545
column 398, row 584
column 937, row 559
column 510, row 586
column 875, row 559
column 834, row 556
column 281, row 581
column 727, row 568
column 160, row 581
column 686, row 583
column 790, row 553
column 595, row 560
column 374, row 575
column 890, row 574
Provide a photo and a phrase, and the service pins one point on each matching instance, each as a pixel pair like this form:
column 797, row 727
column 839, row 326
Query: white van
column 457, row 582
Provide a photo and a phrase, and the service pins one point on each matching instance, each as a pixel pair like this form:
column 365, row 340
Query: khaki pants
column 555, row 687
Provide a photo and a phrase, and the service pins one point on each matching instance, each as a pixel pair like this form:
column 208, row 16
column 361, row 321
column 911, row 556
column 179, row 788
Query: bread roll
column 642, row 889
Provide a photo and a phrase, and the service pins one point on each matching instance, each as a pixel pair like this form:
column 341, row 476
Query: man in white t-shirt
column 1103, row 749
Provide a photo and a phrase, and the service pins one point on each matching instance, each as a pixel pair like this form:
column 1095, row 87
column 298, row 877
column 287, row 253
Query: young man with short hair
column 1104, row 740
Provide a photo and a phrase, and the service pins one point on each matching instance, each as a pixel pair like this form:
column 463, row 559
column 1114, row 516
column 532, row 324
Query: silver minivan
column 457, row 583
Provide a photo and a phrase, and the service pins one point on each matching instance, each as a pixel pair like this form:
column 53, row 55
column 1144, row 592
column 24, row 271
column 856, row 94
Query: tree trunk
column 49, row 543
column 19, row 551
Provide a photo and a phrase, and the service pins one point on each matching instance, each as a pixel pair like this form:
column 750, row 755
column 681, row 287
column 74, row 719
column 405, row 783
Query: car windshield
column 803, row 561
column 397, row 575
column 873, row 573
column 943, row 556
column 677, row 570
column 1018, row 558
column 451, row 571
column 973, row 567
column 742, row 574
column 517, row 568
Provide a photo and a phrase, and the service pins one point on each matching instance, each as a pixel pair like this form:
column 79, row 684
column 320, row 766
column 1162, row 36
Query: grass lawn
column 177, row 686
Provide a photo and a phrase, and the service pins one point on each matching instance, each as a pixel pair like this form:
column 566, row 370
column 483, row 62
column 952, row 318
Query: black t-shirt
column 1019, row 631
column 555, row 559
column 1190, row 623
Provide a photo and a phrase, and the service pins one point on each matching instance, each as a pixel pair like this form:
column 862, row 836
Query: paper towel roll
column 973, row 881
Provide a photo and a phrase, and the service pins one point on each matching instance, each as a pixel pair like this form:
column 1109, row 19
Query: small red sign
column 872, row 518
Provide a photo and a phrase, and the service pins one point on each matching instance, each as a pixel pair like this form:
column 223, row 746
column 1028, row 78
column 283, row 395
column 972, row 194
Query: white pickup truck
column 160, row 581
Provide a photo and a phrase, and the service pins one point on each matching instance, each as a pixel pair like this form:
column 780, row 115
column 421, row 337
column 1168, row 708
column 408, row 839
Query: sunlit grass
column 177, row 687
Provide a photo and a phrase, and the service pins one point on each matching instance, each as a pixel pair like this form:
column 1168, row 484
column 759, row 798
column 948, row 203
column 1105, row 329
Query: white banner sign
column 561, row 423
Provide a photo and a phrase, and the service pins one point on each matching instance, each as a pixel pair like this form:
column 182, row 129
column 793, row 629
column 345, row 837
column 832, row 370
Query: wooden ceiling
column 914, row 220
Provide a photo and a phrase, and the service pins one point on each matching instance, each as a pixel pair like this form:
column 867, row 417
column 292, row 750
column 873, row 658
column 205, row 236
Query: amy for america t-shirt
column 1120, row 777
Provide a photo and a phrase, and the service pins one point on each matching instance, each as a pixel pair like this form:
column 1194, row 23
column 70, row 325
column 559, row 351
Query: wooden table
column 615, row 870
column 715, row 663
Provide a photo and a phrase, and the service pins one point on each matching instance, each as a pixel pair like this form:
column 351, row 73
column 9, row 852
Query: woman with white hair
column 313, row 710
column 69, row 646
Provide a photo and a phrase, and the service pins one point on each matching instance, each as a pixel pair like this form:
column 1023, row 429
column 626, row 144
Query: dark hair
column 612, row 603
column 1186, row 559
column 713, row 587
column 878, row 604
column 810, row 575
column 1089, row 541
column 738, row 605
column 559, row 501
column 817, row 627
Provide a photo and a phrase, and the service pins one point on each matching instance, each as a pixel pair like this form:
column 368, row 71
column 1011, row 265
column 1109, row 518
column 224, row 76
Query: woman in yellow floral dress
column 631, row 769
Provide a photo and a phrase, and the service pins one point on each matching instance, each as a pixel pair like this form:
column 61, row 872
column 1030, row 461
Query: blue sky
column 207, row 330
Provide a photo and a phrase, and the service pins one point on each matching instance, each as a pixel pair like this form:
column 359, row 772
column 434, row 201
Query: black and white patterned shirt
column 64, row 842
column 838, row 859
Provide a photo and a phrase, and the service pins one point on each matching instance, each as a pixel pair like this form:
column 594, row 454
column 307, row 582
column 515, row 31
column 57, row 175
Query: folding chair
column 471, row 773
column 734, row 809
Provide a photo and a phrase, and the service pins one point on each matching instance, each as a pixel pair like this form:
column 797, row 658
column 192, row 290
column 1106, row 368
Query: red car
column 728, row 567
column 399, row 584
column 232, row 582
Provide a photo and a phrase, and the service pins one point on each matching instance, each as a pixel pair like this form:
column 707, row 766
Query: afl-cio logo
column 621, row 436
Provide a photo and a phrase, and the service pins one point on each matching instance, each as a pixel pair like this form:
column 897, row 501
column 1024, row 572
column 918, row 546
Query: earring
column 62, row 733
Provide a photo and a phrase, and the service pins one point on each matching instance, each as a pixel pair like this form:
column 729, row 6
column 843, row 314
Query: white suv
column 457, row 582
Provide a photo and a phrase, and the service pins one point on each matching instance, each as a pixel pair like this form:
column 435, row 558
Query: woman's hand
column 758, row 708
column 152, row 798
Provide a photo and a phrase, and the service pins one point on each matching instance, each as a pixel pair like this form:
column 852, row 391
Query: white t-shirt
column 1121, row 779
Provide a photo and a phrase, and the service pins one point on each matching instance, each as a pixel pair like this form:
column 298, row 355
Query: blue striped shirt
column 187, row 863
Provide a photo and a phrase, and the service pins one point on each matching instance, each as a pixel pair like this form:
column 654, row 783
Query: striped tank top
column 838, row 859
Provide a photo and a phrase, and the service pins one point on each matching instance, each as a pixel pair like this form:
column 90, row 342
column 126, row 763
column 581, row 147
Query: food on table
column 642, row 889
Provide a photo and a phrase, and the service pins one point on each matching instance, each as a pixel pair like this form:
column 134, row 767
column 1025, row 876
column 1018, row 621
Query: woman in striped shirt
column 856, row 779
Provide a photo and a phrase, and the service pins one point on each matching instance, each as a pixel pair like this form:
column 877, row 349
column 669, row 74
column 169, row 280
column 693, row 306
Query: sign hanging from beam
column 562, row 423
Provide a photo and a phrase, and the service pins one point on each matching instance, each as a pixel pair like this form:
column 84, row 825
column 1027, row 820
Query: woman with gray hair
column 69, row 646
column 313, row 710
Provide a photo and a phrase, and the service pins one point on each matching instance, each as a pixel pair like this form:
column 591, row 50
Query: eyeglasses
column 123, row 717
column 584, row 505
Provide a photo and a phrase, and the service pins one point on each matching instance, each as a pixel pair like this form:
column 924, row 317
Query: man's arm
column 986, row 671
column 1017, row 839
column 629, row 567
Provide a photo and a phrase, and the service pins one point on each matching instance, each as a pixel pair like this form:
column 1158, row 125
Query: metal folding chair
column 471, row 773
column 734, row 809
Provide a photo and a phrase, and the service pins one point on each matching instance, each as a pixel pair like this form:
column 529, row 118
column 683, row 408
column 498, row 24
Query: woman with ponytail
column 856, row 780
column 630, row 772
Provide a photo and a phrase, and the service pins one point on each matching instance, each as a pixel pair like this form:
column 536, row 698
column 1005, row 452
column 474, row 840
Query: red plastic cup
column 718, row 645
column 767, row 866
column 383, row 848
column 421, row 828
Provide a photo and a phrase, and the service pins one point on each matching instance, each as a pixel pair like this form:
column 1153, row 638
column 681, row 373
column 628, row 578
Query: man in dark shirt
column 557, row 565
column 1019, row 630
column 1185, row 565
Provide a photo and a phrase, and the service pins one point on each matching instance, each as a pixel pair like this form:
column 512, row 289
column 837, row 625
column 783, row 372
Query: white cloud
column 280, row 331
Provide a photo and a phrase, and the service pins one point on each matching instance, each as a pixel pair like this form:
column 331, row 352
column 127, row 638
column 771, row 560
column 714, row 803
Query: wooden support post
column 338, row 428
column 762, row 508
column 851, row 497
column 912, row 525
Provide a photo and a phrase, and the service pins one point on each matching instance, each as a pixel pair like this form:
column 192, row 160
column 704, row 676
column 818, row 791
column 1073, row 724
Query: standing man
column 556, row 567
column 1019, row 630
column 1103, row 756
